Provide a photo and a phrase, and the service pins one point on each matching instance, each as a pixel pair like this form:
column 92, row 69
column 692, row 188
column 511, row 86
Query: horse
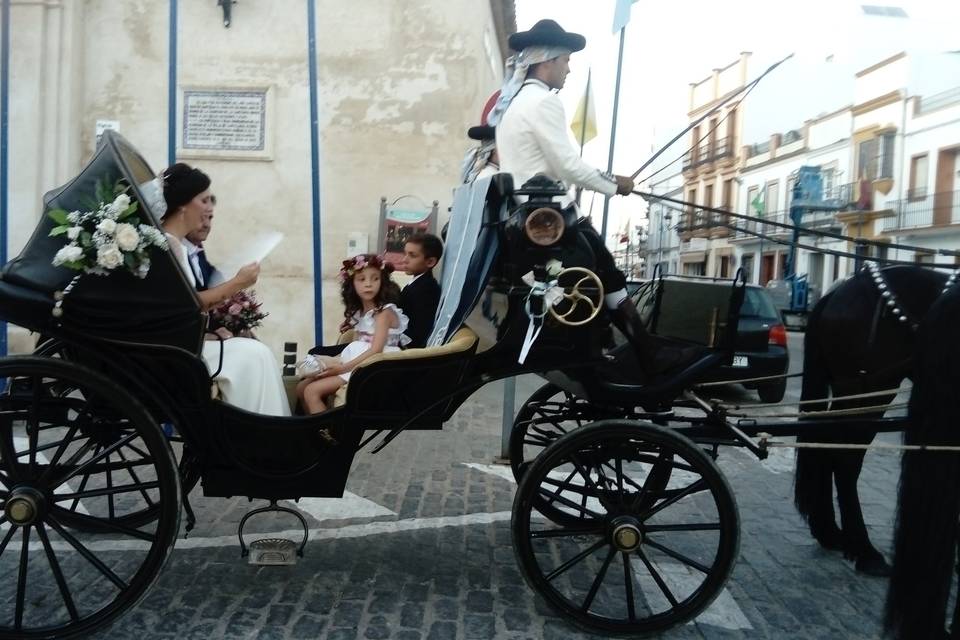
column 860, row 338
column 928, row 504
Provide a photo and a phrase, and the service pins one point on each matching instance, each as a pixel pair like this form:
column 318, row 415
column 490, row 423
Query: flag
column 584, row 123
column 621, row 14
column 625, row 234
column 757, row 202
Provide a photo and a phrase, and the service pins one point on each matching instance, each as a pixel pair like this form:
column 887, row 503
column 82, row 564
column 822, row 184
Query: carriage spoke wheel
column 643, row 555
column 81, row 462
column 546, row 416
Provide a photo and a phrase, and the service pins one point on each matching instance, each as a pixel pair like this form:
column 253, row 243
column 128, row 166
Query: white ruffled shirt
column 533, row 138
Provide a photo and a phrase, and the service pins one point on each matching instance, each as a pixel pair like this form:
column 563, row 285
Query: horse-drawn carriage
column 619, row 496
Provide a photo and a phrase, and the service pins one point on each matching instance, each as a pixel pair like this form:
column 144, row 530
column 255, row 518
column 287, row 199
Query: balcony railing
column 707, row 152
column 929, row 210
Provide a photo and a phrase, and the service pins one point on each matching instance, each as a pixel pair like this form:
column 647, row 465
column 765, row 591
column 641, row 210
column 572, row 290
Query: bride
column 250, row 376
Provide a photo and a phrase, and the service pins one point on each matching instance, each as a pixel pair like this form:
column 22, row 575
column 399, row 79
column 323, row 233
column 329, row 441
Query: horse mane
column 928, row 506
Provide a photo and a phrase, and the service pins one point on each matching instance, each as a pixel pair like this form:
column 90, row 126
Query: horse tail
column 928, row 504
column 812, row 479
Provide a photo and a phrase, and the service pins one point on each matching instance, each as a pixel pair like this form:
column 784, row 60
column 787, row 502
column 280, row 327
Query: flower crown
column 360, row 262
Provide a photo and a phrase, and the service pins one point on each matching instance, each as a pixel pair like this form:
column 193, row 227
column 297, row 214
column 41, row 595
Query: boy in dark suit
column 420, row 298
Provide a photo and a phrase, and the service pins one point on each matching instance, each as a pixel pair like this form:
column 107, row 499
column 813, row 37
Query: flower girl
column 367, row 293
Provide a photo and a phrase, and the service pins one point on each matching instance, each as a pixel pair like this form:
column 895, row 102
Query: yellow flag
column 584, row 123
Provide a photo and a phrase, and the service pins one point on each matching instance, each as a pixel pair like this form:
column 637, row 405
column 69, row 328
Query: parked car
column 761, row 345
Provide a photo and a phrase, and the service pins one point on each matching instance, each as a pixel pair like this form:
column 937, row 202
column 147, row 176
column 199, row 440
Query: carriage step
column 272, row 551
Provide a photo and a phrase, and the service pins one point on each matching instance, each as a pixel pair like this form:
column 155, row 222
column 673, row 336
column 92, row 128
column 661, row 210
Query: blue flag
column 621, row 14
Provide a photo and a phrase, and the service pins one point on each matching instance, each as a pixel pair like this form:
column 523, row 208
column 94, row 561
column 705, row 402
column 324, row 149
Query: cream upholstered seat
column 463, row 340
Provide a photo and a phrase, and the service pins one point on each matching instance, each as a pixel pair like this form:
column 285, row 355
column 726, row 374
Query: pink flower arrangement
column 241, row 313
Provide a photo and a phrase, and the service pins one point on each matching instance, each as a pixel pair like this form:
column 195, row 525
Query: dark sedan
column 761, row 345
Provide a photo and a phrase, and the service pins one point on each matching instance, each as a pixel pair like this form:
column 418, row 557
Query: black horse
column 860, row 338
column 929, row 499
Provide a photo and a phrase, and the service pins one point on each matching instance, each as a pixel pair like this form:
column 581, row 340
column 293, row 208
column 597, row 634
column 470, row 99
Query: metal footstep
column 272, row 551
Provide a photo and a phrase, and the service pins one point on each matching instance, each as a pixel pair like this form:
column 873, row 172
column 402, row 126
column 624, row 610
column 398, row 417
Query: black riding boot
column 655, row 358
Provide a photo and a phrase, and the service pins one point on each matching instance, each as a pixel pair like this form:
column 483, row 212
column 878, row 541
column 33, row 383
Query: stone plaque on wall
column 225, row 123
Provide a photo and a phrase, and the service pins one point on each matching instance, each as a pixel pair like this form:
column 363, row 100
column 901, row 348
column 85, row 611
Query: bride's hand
column 224, row 333
column 248, row 274
column 333, row 370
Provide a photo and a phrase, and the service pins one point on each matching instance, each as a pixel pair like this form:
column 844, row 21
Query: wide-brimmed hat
column 484, row 131
column 547, row 33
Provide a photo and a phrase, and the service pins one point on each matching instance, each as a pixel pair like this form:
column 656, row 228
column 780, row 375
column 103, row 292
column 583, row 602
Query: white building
column 926, row 211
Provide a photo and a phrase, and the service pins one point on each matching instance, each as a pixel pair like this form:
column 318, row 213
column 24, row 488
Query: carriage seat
column 462, row 341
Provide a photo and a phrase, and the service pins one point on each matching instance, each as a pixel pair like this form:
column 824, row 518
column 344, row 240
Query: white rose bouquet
column 108, row 236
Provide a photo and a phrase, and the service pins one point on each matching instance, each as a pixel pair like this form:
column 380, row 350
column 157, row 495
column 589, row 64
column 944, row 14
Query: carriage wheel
column 56, row 409
column 545, row 416
column 73, row 466
column 640, row 559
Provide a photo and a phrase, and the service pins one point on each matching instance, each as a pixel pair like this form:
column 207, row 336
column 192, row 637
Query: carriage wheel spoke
column 693, row 526
column 136, row 450
column 98, row 523
column 6, row 538
column 58, row 574
column 660, row 461
column 619, row 472
column 111, row 508
column 658, row 578
column 598, row 580
column 136, row 479
column 33, row 425
column 9, row 455
column 4, row 479
column 589, row 483
column 86, row 553
column 628, row 584
column 22, row 578
column 61, row 444
column 699, row 485
column 676, row 555
column 561, row 533
column 106, row 491
column 83, row 485
column 95, row 459
column 582, row 510
column 74, row 458
column 574, row 560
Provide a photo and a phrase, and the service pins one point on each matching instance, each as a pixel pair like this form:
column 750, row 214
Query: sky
column 669, row 45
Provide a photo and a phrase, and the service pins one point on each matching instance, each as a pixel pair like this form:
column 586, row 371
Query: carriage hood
column 161, row 308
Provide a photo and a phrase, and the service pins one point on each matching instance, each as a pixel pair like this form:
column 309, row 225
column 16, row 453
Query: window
column 746, row 264
column 690, row 215
column 886, row 155
column 727, row 195
column 918, row 177
column 875, row 157
column 708, row 195
column 771, row 199
column 867, row 159
column 828, row 179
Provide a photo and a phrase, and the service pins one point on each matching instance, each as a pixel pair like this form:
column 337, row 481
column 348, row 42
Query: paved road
column 421, row 549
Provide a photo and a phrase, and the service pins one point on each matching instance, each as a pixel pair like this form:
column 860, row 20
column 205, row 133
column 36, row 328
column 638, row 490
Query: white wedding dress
column 250, row 376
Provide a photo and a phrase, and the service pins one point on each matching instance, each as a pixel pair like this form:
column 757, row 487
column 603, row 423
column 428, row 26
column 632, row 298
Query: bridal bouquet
column 240, row 314
column 107, row 236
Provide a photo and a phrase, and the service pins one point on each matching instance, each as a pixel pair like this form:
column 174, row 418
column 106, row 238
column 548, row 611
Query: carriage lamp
column 544, row 226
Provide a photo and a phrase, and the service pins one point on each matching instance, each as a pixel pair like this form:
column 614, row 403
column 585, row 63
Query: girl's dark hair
column 389, row 290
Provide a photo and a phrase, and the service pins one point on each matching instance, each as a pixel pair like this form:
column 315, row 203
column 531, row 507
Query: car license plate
column 740, row 361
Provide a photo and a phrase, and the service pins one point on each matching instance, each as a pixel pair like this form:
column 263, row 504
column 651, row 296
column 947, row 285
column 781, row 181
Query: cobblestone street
column 420, row 548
